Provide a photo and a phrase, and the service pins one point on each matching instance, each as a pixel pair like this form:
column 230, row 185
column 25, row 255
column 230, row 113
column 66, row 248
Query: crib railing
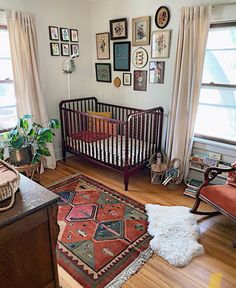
column 125, row 142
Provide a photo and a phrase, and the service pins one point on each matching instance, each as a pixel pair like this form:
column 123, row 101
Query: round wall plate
column 162, row 17
column 140, row 57
column 117, row 82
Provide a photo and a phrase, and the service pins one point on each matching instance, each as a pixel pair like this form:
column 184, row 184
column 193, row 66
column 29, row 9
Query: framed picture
column 121, row 54
column 74, row 49
column 156, row 71
column 162, row 17
column 53, row 33
column 127, row 79
column 160, row 44
column 141, row 31
column 103, row 46
column 118, row 29
column 103, row 72
column 140, row 80
column 64, row 33
column 65, row 49
column 74, row 35
column 140, row 57
column 55, row 50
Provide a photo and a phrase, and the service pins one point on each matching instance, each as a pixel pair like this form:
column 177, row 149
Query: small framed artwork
column 140, row 80
column 103, row 46
column 140, row 57
column 64, row 33
column 53, row 33
column 118, row 29
column 74, row 49
column 127, row 79
column 160, row 44
column 103, row 72
column 65, row 49
column 74, row 35
column 162, row 17
column 55, row 50
column 156, row 71
column 141, row 31
column 121, row 54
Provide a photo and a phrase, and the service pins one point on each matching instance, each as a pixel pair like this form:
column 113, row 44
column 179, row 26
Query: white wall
column 61, row 13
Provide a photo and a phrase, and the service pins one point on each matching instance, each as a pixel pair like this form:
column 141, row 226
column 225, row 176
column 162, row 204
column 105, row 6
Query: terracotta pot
column 21, row 156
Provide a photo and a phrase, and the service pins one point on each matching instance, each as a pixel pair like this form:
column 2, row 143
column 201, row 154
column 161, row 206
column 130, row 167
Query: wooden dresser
column 28, row 236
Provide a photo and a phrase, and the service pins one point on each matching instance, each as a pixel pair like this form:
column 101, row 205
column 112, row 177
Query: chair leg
column 234, row 244
column 195, row 207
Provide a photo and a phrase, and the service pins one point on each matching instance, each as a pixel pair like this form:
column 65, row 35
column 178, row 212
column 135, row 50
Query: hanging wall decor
column 121, row 54
column 74, row 35
column 103, row 46
column 55, row 49
column 65, row 49
column 156, row 72
column 162, row 17
column 64, row 33
column 53, row 33
column 127, row 79
column 141, row 31
column 118, row 29
column 140, row 57
column 140, row 80
column 103, row 72
column 160, row 44
column 74, row 49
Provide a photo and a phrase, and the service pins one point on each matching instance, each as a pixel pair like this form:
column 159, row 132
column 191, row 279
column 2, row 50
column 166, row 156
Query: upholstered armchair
column 221, row 197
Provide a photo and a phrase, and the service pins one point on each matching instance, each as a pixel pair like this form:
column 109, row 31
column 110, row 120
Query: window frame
column 7, row 81
column 218, row 85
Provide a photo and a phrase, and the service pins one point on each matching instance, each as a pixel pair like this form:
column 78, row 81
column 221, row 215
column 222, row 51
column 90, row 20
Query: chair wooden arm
column 212, row 172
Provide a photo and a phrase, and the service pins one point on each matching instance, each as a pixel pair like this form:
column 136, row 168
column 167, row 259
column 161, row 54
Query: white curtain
column 24, row 50
column 193, row 30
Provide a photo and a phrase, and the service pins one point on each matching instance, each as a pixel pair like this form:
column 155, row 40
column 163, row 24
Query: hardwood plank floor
column 217, row 232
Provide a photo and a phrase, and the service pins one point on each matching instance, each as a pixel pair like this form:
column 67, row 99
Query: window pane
column 220, row 67
column 7, row 94
column 8, row 117
column 6, row 69
column 221, row 38
column 216, row 116
column 5, row 51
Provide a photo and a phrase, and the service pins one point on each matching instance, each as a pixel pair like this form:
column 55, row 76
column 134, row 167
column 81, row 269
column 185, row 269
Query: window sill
column 215, row 143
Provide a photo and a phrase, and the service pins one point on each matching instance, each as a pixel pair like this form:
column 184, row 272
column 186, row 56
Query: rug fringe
column 131, row 269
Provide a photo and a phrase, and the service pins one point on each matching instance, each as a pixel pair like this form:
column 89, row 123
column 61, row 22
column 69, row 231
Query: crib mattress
column 111, row 150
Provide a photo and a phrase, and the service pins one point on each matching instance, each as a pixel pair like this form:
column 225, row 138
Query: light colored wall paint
column 61, row 13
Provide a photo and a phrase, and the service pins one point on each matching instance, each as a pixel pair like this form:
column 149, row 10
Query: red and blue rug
column 103, row 235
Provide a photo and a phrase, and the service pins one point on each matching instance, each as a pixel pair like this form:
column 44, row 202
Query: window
column 216, row 116
column 7, row 95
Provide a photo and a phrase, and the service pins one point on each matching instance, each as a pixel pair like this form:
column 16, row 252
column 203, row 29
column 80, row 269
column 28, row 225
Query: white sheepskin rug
column 175, row 233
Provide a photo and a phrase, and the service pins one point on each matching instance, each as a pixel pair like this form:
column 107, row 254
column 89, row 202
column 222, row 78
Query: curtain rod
column 223, row 4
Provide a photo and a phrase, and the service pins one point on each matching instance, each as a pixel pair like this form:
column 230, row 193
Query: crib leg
column 126, row 181
column 63, row 153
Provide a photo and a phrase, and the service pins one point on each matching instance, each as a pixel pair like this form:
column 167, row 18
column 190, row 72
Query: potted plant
column 27, row 141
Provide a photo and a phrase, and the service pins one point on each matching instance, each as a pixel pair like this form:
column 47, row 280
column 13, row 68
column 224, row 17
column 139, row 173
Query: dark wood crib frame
column 134, row 135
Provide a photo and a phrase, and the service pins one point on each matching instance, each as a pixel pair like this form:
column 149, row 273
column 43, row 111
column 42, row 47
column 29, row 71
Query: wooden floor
column 217, row 233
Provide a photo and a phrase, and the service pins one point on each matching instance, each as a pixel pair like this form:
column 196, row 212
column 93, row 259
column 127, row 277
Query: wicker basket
column 9, row 183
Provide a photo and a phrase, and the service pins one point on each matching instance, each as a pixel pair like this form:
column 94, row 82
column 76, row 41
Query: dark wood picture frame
column 55, row 49
column 127, row 82
column 119, row 29
column 64, row 34
column 53, row 33
column 65, row 49
column 140, row 80
column 121, row 55
column 74, row 35
column 72, row 49
column 162, row 17
column 105, row 74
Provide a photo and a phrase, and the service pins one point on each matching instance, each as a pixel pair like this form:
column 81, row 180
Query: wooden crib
column 117, row 137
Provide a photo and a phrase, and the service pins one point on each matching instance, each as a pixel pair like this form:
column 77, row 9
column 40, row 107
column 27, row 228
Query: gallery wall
column 157, row 94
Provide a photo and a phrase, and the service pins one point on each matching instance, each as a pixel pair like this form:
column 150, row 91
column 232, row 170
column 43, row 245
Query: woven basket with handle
column 9, row 183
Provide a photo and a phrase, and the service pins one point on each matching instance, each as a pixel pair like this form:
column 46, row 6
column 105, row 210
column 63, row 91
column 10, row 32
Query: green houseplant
column 27, row 141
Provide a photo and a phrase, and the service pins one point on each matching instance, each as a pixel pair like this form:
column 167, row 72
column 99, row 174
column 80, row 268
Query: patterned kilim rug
column 103, row 235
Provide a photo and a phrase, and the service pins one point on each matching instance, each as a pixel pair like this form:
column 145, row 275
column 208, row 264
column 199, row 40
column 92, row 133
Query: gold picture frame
column 141, row 31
